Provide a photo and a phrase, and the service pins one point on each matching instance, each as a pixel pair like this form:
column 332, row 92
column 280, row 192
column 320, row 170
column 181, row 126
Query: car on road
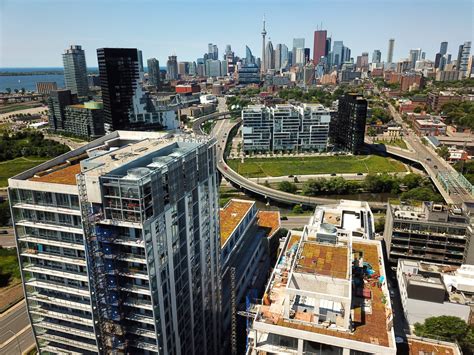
column 3, row 232
column 360, row 174
column 290, row 176
column 333, row 174
column 428, row 159
column 436, row 166
column 283, row 218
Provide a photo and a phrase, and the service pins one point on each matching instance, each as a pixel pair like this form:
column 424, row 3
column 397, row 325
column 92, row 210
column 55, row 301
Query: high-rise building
column 45, row 87
column 362, row 62
column 183, row 68
column 348, row 128
column 443, row 49
column 119, row 74
column 415, row 55
column 377, row 56
column 248, row 74
column 307, row 55
column 57, row 102
column 212, row 51
column 154, row 76
column 463, row 63
column 284, row 58
column 269, row 56
column 337, row 54
column 249, row 58
column 391, row 46
column 119, row 246
column 315, row 300
column 299, row 58
column 297, row 43
column 172, row 68
column 431, row 232
column 75, row 70
column 319, row 45
column 140, row 64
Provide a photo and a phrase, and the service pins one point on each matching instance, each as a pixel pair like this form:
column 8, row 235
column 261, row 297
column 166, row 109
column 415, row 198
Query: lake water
column 28, row 81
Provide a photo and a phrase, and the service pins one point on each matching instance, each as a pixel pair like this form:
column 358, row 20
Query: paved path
column 15, row 330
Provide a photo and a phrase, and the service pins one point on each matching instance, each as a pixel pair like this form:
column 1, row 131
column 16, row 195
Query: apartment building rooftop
column 419, row 346
column 60, row 174
column 429, row 212
column 231, row 215
column 269, row 220
column 321, row 259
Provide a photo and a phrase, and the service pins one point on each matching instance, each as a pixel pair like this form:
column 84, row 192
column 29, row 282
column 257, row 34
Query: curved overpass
column 200, row 120
column 221, row 133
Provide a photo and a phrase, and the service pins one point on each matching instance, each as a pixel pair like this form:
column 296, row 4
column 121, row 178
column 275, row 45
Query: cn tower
column 264, row 33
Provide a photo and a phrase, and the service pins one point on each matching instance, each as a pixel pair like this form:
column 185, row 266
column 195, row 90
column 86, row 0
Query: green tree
column 4, row 213
column 287, row 186
column 412, row 180
column 417, row 109
column 379, row 225
column 421, row 194
column 443, row 152
column 8, row 90
column 371, row 132
column 297, row 209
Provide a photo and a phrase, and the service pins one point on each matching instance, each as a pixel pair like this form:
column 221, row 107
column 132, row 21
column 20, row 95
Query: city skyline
column 160, row 39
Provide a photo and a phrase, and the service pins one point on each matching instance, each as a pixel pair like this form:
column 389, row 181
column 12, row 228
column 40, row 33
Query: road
column 7, row 240
column 15, row 330
column 64, row 140
column 294, row 222
column 301, row 178
column 431, row 162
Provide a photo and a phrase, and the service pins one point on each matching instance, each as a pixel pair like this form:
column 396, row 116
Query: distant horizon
column 185, row 28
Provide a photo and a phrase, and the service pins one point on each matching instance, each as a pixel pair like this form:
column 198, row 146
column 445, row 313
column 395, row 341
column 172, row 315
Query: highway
column 15, row 330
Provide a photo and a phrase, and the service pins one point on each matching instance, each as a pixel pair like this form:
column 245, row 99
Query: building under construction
column 119, row 247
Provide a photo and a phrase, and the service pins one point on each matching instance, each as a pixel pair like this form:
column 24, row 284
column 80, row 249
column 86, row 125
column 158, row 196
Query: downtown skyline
column 341, row 25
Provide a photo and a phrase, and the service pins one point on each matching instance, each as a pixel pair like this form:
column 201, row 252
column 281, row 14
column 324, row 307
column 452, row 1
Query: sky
column 34, row 33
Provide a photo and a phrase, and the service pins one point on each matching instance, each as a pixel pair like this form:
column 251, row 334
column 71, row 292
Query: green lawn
column 394, row 142
column 9, row 268
column 12, row 167
column 284, row 166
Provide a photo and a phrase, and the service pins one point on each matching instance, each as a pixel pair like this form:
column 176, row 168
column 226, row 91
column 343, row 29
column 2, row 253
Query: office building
column 249, row 58
column 326, row 294
column 140, row 61
column 433, row 290
column 411, row 81
column 93, row 80
column 119, row 246
column 119, row 75
column 443, row 49
column 298, row 43
column 183, row 69
column 362, row 62
column 463, row 60
column 285, row 127
column 57, row 102
column 431, row 233
column 213, row 68
column 248, row 74
column 45, row 87
column 277, row 55
column 284, row 57
column 212, row 51
column 391, row 46
column 319, row 45
column 85, row 120
column 348, row 126
column 377, row 56
column 269, row 56
column 154, row 76
column 247, row 237
column 75, row 70
column 172, row 68
column 299, row 57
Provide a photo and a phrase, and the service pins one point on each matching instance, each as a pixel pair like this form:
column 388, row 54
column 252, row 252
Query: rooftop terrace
column 230, row 217
column 269, row 220
column 320, row 259
column 419, row 346
column 61, row 174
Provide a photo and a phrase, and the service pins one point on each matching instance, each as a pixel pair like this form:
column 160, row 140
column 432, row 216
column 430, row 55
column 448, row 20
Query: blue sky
column 34, row 33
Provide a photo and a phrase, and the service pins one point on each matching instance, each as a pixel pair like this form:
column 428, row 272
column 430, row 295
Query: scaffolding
column 103, row 278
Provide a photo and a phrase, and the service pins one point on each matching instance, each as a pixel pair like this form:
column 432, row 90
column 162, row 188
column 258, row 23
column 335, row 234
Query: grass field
column 395, row 143
column 12, row 167
column 262, row 167
column 17, row 107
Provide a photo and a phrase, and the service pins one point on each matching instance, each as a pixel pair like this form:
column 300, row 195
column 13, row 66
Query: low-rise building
column 427, row 125
column 429, row 232
column 85, row 120
column 327, row 294
column 45, row 87
column 432, row 290
column 437, row 100
column 418, row 346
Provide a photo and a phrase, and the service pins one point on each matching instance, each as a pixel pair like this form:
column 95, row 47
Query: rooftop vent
column 137, row 173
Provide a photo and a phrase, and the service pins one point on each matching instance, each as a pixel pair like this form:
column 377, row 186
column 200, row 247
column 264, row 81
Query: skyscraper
column 348, row 128
column 75, row 70
column 212, row 51
column 337, row 53
column 119, row 247
column 298, row 43
column 443, row 49
column 249, row 58
column 277, row 54
column 263, row 61
column 463, row 63
column 119, row 74
column 415, row 55
column 172, row 68
column 391, row 45
column 319, row 48
column 377, row 56
column 140, row 61
column 154, row 72
column 269, row 56
column 284, row 57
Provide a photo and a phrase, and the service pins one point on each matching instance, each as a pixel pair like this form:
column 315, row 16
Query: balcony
column 68, row 341
column 144, row 345
column 61, row 316
column 136, row 289
column 141, row 332
column 138, row 304
column 133, row 273
column 49, row 226
column 54, row 209
column 59, row 302
column 62, row 328
column 32, row 253
column 49, row 241
column 50, row 285
column 132, row 258
column 40, row 269
column 140, row 318
column 57, row 350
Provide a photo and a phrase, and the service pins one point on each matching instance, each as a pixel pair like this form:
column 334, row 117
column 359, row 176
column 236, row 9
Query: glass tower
column 75, row 70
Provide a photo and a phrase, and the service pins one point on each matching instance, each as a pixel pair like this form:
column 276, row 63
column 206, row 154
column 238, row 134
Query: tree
column 447, row 328
column 297, row 209
column 417, row 109
column 371, row 132
column 16, row 91
column 379, row 225
column 287, row 186
column 421, row 194
column 443, row 152
column 8, row 90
